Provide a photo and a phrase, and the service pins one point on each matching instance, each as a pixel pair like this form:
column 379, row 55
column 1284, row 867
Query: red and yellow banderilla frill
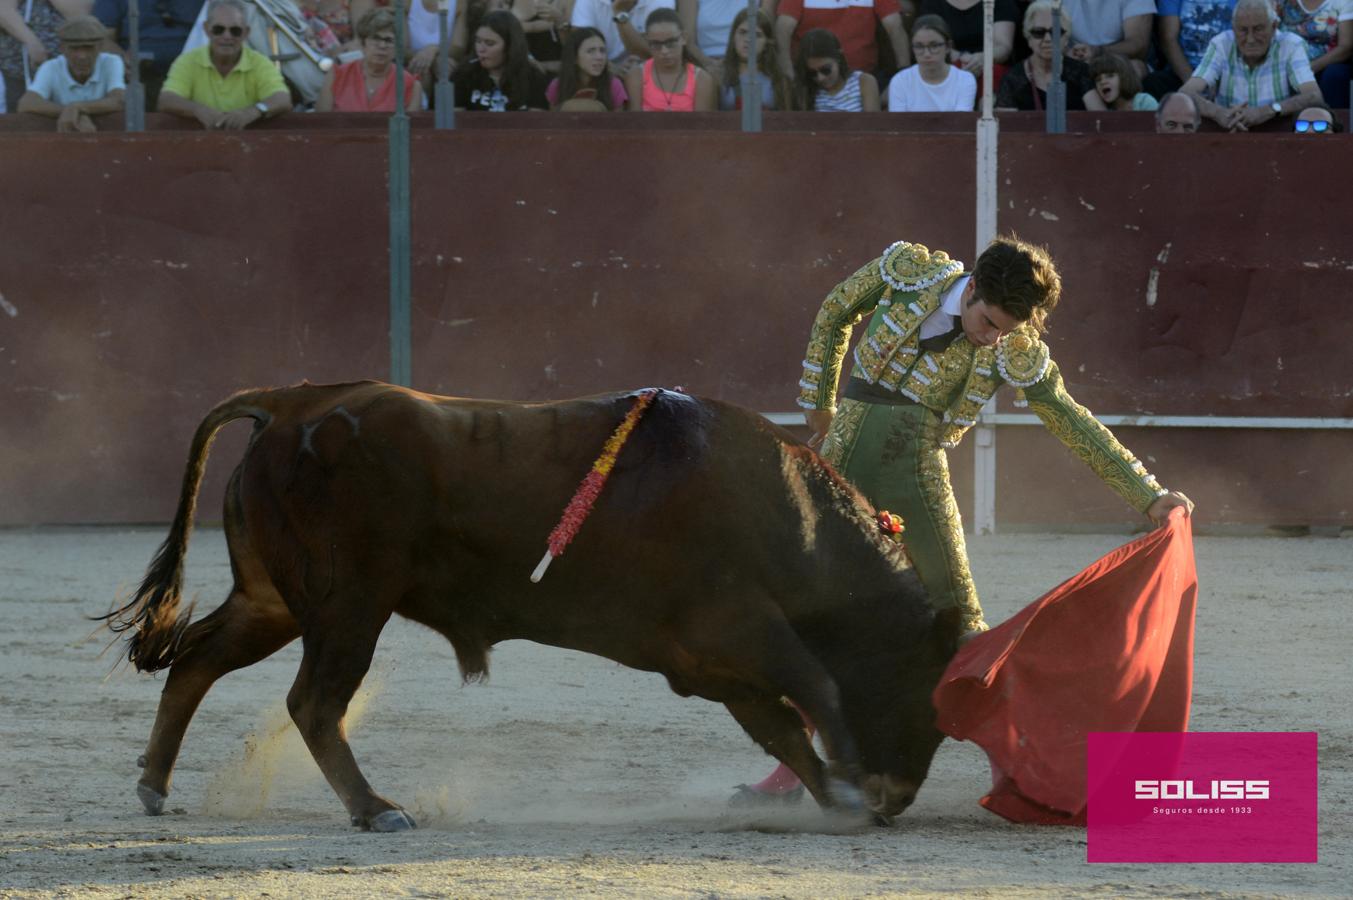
column 591, row 485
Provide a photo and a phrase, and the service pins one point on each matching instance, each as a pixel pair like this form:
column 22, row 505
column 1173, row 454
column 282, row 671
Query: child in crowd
column 585, row 81
column 775, row 89
column 825, row 82
column 1118, row 84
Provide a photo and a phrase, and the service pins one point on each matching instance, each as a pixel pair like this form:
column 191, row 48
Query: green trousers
column 893, row 455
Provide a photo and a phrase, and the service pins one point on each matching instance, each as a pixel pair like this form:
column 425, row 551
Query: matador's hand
column 1159, row 511
column 819, row 420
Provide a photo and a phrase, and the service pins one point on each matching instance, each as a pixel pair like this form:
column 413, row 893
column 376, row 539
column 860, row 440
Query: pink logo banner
column 1202, row 797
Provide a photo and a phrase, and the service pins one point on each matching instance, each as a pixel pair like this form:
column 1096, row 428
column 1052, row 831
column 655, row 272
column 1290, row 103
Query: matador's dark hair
column 1020, row 278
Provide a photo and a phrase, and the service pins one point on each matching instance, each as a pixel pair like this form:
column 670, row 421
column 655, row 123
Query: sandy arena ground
column 567, row 774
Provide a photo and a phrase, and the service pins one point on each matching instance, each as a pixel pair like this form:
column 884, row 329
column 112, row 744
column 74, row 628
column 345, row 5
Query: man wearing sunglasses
column 226, row 84
column 1315, row 120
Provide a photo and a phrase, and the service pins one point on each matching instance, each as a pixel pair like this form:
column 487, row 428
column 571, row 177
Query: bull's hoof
column 393, row 820
column 845, row 796
column 151, row 799
column 881, row 821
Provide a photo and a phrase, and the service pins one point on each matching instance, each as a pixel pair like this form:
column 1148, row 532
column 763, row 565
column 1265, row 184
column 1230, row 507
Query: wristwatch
column 1277, row 108
column 620, row 18
column 262, row 108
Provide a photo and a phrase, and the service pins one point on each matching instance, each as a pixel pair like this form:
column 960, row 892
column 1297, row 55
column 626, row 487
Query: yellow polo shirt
column 254, row 78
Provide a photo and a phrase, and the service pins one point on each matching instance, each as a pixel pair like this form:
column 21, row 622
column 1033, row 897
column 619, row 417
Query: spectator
column 1118, row 84
column 1254, row 72
column 423, row 34
column 776, row 92
column 336, row 15
column 1178, row 114
column 368, row 84
column 708, row 25
column 225, row 84
column 691, row 88
column 584, row 75
column 544, row 22
column 855, row 26
column 825, row 81
column 1183, row 30
column 28, row 39
column 1316, row 119
column 620, row 21
column 932, row 85
column 81, row 82
column 501, row 77
column 1025, row 86
column 964, row 18
column 1327, row 28
column 1111, row 26
column 164, row 27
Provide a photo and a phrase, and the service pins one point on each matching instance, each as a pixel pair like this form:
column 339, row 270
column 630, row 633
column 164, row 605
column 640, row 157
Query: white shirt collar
column 952, row 303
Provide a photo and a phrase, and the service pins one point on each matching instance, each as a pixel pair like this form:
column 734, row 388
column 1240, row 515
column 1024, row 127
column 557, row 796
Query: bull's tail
column 153, row 612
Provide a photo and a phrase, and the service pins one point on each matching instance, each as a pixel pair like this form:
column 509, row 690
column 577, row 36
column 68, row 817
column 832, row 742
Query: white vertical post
column 984, row 443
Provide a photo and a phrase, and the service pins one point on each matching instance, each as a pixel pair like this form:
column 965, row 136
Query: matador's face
column 984, row 323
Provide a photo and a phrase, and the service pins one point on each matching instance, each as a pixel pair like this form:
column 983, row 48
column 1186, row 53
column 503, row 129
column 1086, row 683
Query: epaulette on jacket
column 912, row 267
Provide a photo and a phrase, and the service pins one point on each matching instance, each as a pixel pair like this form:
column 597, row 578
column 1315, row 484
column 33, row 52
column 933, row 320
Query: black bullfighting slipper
column 748, row 797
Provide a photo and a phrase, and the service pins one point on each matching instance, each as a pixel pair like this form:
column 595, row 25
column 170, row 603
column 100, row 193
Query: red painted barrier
column 145, row 277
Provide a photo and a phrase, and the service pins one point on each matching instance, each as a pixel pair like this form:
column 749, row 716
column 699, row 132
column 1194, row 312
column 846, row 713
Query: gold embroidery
column 841, row 436
column 910, row 269
column 1022, row 357
column 1077, row 428
column 938, row 497
column 843, row 309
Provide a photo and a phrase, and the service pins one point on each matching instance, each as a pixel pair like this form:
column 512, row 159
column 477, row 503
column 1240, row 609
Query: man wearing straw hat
column 80, row 83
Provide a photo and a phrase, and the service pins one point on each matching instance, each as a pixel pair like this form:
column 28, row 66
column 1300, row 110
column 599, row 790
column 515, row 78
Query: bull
column 722, row 553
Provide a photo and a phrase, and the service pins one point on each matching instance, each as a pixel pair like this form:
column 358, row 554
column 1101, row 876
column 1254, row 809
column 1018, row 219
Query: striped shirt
column 1278, row 77
column 845, row 100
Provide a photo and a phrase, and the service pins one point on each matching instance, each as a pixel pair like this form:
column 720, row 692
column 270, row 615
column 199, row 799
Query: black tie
column 940, row 342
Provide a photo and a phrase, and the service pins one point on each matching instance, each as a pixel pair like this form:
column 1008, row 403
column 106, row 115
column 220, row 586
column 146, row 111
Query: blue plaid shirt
column 1278, row 77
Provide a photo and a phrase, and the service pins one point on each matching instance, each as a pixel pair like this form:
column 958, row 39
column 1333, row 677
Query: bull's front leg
column 781, row 733
column 769, row 657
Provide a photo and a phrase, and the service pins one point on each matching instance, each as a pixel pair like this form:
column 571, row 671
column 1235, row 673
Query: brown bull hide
column 721, row 553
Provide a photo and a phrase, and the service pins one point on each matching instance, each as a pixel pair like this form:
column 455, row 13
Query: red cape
column 1110, row 649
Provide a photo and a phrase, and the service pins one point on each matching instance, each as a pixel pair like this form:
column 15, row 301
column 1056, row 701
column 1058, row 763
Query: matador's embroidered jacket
column 901, row 288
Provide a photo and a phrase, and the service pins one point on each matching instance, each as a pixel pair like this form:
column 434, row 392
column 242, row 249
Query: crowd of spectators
column 1238, row 63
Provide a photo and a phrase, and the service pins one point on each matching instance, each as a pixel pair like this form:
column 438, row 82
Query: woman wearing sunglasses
column 825, row 82
column 1025, row 86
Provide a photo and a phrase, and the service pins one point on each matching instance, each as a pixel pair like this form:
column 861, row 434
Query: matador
column 939, row 342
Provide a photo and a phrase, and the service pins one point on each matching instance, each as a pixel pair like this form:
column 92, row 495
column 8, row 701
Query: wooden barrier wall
column 145, row 277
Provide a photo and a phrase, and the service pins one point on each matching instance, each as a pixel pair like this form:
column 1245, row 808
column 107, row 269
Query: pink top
column 350, row 90
column 658, row 100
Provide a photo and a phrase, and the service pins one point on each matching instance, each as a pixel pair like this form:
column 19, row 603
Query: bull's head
column 886, row 685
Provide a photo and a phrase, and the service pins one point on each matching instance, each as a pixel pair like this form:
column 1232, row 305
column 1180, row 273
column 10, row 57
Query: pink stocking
column 783, row 780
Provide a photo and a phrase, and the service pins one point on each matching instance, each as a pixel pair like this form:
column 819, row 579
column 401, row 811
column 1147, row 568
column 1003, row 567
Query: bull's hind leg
column 337, row 657
column 239, row 633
